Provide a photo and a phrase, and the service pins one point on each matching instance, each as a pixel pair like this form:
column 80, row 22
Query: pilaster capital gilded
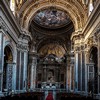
column 77, row 36
column 76, row 49
column 92, row 40
column 86, row 52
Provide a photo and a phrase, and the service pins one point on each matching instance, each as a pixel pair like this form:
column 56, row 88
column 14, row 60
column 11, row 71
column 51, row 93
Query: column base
column 97, row 96
column 1, row 94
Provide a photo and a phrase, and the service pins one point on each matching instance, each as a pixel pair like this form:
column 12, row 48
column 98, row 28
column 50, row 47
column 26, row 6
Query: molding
column 6, row 30
column 26, row 35
column 75, row 10
column 33, row 54
column 53, row 32
column 89, row 24
column 10, row 17
column 91, row 19
column 98, row 32
column 22, row 47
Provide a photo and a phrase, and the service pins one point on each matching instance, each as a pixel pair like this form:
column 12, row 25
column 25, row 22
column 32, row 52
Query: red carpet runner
column 49, row 97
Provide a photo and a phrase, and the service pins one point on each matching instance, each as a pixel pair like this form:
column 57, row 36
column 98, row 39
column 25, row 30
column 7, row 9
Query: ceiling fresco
column 51, row 18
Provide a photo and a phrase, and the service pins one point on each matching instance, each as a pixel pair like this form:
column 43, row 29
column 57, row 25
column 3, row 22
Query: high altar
column 51, row 73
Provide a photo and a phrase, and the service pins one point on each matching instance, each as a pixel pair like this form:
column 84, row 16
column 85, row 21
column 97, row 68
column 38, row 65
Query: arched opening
column 51, row 28
column 94, row 60
column 8, row 58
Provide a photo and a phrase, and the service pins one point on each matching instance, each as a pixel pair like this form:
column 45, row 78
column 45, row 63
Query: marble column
column 14, row 77
column 32, row 78
column 83, row 71
column 25, row 70
column 68, row 78
column 72, row 77
column 2, row 41
column 1, row 51
column 33, row 73
column 21, row 73
column 98, row 60
column 1, row 59
column 86, row 71
column 18, row 70
column 79, row 71
column 76, row 71
column 44, row 74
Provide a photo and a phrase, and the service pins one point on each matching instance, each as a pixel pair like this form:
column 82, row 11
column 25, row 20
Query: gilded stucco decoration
column 75, row 9
column 91, row 42
column 52, row 49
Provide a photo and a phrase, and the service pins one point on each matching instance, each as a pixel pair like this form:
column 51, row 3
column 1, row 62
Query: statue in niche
column 91, row 58
column 50, row 76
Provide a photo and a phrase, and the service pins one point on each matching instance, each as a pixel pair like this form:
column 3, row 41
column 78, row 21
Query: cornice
column 77, row 35
column 22, row 47
column 6, row 30
column 95, row 13
column 33, row 54
column 53, row 32
column 9, row 15
column 25, row 34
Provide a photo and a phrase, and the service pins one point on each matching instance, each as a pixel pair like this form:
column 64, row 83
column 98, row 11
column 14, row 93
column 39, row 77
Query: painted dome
column 51, row 18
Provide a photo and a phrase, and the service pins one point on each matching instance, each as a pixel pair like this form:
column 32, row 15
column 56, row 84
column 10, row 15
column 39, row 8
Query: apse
column 51, row 25
column 52, row 49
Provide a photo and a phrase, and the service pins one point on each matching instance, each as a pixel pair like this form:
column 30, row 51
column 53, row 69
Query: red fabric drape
column 49, row 97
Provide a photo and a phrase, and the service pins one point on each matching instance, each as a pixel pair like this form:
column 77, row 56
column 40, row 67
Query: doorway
column 94, row 59
column 8, row 58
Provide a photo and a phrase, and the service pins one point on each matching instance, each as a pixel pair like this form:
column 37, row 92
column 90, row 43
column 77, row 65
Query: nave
column 49, row 48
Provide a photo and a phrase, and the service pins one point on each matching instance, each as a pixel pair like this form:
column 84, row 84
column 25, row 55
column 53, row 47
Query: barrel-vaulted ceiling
column 51, row 22
column 75, row 9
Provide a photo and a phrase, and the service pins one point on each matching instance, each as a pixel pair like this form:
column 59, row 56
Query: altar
column 50, row 73
column 50, row 86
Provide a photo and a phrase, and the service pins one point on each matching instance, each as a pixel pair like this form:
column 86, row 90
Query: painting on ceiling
column 51, row 18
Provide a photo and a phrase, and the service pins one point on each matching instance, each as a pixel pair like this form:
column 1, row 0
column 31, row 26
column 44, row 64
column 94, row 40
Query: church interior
column 49, row 49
